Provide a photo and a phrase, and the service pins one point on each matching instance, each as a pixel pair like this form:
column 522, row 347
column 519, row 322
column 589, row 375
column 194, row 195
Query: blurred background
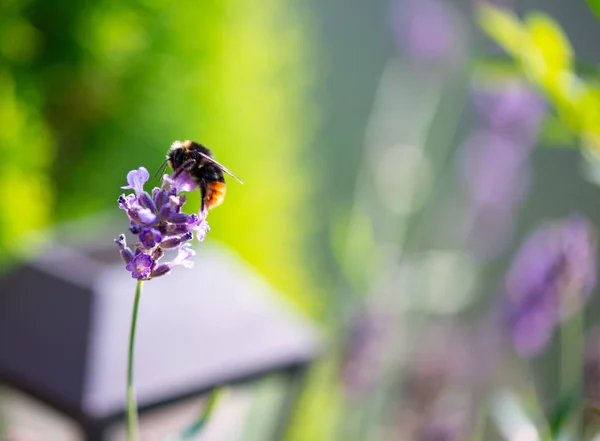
column 387, row 185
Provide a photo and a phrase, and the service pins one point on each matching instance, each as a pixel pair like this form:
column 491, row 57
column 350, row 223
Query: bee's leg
column 202, row 194
column 185, row 166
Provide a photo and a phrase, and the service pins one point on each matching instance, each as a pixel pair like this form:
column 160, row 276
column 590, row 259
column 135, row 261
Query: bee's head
column 177, row 155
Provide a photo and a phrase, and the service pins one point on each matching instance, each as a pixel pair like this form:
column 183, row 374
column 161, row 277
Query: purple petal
column 182, row 181
column 150, row 237
column 174, row 242
column 141, row 266
column 551, row 277
column 202, row 230
column 183, row 257
column 121, row 242
column 171, row 242
column 126, row 202
column 512, row 108
column 127, row 255
column 175, row 202
column 178, row 218
column 174, row 229
column 429, row 30
column 165, row 212
column 146, row 201
column 532, row 332
column 160, row 198
column 145, row 216
column 136, row 180
column 198, row 225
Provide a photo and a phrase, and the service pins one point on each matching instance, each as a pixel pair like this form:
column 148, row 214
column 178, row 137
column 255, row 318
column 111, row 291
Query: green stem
column 132, row 413
column 190, row 432
column 571, row 368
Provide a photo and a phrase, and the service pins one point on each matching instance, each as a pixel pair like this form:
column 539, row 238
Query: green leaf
column 504, row 27
column 547, row 57
column 503, row 65
column 555, row 133
column 588, row 107
column 495, row 67
column 547, row 35
column 560, row 413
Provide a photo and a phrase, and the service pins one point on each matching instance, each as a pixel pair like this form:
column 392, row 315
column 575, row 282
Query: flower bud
column 146, row 201
column 160, row 270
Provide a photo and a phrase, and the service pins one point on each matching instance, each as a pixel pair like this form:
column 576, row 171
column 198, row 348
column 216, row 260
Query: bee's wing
column 220, row 166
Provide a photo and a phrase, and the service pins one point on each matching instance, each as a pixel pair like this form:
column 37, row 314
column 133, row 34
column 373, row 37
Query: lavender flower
column 428, row 30
column 494, row 163
column 141, row 266
column 511, row 108
column 159, row 224
column 494, row 170
column 551, row 277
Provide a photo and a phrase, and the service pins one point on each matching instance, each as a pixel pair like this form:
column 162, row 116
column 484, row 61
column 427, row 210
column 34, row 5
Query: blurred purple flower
column 159, row 223
column 494, row 168
column 362, row 357
column 551, row 277
column 494, row 163
column 511, row 108
column 442, row 380
column 428, row 30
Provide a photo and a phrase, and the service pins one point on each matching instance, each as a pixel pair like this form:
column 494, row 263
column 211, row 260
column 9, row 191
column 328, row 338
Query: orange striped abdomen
column 215, row 194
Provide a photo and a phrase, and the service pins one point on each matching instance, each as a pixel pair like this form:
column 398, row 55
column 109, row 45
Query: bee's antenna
column 161, row 169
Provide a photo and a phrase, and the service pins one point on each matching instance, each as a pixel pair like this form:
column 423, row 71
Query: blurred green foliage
column 595, row 6
column 90, row 90
column 544, row 55
column 25, row 138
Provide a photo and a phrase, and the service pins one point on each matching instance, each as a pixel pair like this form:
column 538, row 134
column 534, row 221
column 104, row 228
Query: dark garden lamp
column 64, row 320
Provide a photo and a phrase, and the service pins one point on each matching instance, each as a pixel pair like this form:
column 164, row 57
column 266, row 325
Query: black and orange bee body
column 198, row 162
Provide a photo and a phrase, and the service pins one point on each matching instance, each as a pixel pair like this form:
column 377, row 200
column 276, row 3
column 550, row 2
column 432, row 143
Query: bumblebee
column 198, row 162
